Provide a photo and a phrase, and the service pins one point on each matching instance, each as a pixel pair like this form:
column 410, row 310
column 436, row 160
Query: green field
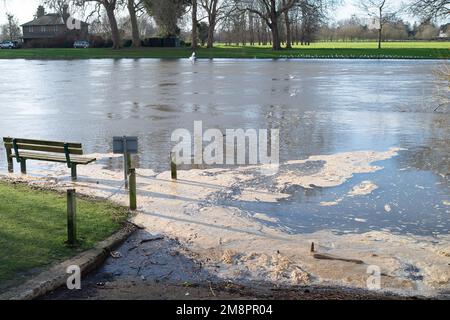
column 33, row 229
column 335, row 50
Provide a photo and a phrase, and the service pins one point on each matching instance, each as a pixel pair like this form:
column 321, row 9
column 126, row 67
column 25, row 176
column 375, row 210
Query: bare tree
column 270, row 12
column 379, row 11
column 11, row 30
column 427, row 31
column 57, row 5
column 167, row 14
column 311, row 15
column 110, row 7
column 216, row 11
column 429, row 9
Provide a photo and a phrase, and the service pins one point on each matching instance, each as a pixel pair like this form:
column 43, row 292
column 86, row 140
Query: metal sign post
column 126, row 146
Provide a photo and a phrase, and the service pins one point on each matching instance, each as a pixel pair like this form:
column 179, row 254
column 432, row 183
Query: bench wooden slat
column 43, row 142
column 43, row 148
column 53, row 157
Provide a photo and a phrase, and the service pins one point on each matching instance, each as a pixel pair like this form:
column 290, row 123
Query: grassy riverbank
column 338, row 50
column 33, row 229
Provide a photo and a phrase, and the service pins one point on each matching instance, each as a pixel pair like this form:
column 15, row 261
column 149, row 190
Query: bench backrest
column 44, row 146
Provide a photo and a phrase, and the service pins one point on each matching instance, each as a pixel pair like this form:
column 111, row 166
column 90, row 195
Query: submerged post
column 71, row 218
column 132, row 189
column 173, row 166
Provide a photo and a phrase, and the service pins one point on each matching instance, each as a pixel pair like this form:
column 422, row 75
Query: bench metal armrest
column 16, row 149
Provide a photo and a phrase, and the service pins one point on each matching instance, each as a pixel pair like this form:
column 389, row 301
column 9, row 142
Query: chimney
column 40, row 12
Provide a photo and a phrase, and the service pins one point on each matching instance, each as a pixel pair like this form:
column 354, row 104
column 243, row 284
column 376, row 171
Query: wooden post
column 71, row 218
column 129, row 164
column 73, row 170
column 125, row 161
column 9, row 158
column 132, row 189
column 23, row 165
column 125, row 168
column 173, row 166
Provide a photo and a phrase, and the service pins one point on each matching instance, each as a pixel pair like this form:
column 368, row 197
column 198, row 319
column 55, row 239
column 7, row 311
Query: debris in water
column 387, row 208
column 330, row 257
column 362, row 189
column 156, row 238
column 116, row 254
column 228, row 256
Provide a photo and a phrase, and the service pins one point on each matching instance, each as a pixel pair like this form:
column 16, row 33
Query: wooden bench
column 53, row 151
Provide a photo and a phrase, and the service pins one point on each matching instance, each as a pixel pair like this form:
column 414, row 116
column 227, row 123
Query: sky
column 24, row 10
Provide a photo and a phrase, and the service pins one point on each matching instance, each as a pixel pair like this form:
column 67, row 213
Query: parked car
column 9, row 45
column 81, row 44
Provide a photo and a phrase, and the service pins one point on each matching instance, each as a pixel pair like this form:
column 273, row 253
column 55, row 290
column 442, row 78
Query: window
column 30, row 29
column 43, row 29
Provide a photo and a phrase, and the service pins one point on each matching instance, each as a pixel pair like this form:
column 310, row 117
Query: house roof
column 49, row 19
column 46, row 20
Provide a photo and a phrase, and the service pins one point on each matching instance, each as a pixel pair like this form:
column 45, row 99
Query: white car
column 7, row 45
column 80, row 44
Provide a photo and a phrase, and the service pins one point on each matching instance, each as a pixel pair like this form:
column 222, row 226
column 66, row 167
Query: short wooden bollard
column 71, row 218
column 132, row 189
column 173, row 166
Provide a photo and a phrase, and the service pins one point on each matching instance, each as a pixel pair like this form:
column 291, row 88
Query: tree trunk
column 211, row 28
column 252, row 29
column 379, row 38
column 194, row 43
column 110, row 7
column 134, row 24
column 288, row 31
column 287, row 21
column 276, row 43
column 381, row 28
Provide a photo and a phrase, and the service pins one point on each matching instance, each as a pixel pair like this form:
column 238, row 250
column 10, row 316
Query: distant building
column 444, row 32
column 53, row 29
column 374, row 24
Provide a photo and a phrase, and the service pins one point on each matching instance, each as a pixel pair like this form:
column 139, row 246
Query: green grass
column 344, row 50
column 33, row 229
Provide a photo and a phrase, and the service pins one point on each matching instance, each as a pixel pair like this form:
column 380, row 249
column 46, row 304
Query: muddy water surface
column 321, row 108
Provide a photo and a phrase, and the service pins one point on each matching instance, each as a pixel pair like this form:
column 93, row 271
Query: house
column 53, row 29
column 444, row 31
